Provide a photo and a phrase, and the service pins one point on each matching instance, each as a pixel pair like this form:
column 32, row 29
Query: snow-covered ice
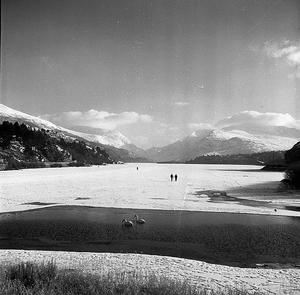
column 149, row 187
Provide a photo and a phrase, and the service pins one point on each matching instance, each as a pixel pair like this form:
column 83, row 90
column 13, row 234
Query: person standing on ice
column 171, row 176
column 175, row 177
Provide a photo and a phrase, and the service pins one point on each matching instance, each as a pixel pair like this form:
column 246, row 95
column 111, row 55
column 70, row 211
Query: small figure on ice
column 171, row 176
column 175, row 177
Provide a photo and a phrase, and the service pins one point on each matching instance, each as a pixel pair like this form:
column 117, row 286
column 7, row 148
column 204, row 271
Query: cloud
column 288, row 51
column 181, row 103
column 257, row 119
column 197, row 126
column 97, row 119
column 200, row 129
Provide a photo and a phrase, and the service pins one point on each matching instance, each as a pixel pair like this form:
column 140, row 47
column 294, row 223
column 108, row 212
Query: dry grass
column 40, row 279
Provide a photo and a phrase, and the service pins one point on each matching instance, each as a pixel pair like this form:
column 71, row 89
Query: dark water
column 153, row 217
column 292, row 208
column 225, row 238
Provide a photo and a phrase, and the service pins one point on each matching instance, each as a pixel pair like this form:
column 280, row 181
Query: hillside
column 22, row 146
column 103, row 137
column 113, row 142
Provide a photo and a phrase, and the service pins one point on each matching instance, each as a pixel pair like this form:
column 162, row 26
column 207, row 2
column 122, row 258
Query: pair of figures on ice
column 173, row 176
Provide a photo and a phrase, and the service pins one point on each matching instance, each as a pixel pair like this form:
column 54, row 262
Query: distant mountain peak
column 244, row 133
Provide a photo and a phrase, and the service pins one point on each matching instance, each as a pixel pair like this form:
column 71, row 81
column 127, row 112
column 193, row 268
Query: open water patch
column 217, row 196
column 38, row 203
column 207, row 236
column 293, row 208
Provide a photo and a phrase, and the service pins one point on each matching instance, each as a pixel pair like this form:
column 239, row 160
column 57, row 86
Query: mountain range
column 225, row 142
column 244, row 133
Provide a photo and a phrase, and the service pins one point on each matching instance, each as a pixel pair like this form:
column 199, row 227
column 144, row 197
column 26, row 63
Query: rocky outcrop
column 292, row 174
column 293, row 155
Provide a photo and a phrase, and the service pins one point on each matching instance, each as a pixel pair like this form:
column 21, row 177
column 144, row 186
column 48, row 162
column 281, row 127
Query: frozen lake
column 123, row 186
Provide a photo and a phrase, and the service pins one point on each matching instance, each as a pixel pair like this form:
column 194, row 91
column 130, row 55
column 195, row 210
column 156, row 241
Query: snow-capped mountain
column 9, row 114
column 232, row 136
column 116, row 144
column 113, row 138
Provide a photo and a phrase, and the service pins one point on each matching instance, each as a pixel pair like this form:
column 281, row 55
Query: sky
column 156, row 70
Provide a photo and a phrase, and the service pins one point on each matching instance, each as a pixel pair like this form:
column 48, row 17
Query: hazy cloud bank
column 259, row 119
column 97, row 119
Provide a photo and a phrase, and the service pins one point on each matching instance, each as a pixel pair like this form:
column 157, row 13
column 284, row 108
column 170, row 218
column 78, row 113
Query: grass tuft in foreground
column 40, row 279
column 30, row 274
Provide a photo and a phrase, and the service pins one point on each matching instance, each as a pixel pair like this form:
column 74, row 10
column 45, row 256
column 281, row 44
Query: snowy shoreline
column 196, row 273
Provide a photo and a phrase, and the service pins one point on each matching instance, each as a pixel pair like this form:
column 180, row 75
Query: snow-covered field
column 149, row 187
column 196, row 273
